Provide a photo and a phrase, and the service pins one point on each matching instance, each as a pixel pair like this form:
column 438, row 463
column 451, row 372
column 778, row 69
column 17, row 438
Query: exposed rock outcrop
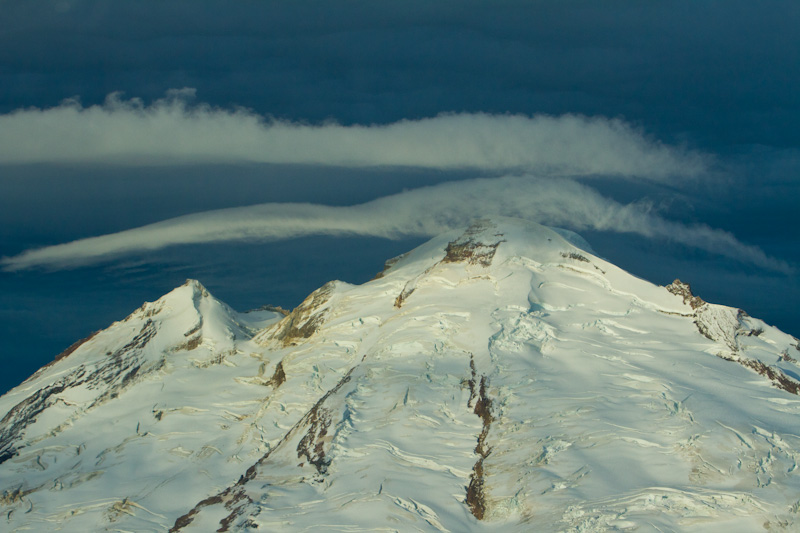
column 304, row 320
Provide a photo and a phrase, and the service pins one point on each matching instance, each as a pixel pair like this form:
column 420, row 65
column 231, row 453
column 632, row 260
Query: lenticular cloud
column 173, row 131
column 425, row 211
column 545, row 150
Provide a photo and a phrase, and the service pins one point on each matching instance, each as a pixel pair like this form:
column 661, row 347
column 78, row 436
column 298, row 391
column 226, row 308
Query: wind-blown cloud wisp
column 425, row 211
column 171, row 131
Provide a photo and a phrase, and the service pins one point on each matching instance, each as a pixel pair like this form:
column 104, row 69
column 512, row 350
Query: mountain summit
column 498, row 377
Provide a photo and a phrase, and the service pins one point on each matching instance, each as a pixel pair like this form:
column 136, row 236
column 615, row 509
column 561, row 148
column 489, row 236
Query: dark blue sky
column 716, row 77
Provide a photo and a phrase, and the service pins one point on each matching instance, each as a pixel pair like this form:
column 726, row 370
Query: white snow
column 609, row 409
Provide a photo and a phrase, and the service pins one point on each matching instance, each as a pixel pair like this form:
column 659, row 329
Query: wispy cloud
column 174, row 131
column 420, row 212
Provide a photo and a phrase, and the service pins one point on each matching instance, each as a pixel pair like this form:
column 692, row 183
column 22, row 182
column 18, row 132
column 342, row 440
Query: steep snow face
column 502, row 376
column 121, row 419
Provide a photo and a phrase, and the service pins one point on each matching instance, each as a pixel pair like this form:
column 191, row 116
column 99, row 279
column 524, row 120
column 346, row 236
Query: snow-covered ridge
column 740, row 337
column 499, row 376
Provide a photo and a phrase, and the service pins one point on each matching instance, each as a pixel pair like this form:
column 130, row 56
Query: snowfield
column 497, row 378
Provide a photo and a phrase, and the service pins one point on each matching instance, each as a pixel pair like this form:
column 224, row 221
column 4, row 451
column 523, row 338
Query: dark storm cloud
column 717, row 72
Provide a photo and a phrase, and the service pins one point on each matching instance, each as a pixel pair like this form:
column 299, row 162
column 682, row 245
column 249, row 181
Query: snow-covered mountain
column 498, row 378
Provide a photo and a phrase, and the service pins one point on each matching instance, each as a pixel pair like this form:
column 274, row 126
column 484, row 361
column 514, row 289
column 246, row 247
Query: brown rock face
column 685, row 291
column 305, row 319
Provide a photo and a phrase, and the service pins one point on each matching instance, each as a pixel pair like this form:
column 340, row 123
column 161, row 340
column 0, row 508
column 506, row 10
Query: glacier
column 500, row 376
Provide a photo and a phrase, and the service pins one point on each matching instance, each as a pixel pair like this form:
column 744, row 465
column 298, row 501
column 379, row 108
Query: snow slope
column 498, row 377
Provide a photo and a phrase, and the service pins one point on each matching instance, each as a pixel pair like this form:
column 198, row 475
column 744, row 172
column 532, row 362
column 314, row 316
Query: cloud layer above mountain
column 425, row 211
column 550, row 150
column 173, row 131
